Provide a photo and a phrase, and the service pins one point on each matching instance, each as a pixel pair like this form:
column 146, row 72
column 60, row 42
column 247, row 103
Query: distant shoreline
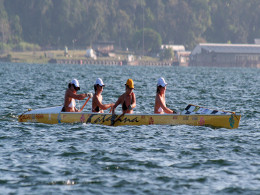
column 78, row 57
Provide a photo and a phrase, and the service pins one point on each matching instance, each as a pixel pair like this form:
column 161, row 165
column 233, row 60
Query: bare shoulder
column 69, row 92
column 157, row 97
column 121, row 97
column 94, row 97
column 133, row 94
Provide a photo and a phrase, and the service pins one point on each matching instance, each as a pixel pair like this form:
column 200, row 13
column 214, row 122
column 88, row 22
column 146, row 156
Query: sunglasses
column 76, row 88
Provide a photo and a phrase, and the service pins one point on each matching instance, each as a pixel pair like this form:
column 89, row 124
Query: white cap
column 75, row 82
column 99, row 82
column 161, row 82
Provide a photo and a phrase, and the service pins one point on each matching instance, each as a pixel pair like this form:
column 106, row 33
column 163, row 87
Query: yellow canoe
column 54, row 116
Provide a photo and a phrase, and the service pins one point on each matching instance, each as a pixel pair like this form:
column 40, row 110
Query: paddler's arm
column 77, row 96
column 113, row 110
column 133, row 105
column 100, row 105
column 116, row 104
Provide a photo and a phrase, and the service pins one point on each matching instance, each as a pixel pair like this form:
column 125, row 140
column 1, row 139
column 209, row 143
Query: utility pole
column 143, row 27
column 73, row 41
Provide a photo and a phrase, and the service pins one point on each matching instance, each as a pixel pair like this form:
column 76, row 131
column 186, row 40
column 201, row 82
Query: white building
column 226, row 55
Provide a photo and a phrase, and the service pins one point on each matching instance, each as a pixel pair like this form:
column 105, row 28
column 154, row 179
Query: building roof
column 227, row 48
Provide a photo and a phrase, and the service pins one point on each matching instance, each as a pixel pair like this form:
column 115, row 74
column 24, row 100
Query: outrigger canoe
column 191, row 115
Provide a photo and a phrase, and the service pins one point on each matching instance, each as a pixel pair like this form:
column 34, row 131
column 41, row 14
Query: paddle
column 114, row 121
column 110, row 109
column 85, row 104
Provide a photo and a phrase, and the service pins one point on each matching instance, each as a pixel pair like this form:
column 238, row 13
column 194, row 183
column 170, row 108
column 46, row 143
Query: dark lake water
column 93, row 159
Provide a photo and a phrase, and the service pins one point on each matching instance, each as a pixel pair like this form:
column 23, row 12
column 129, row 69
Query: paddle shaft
column 112, row 124
column 84, row 105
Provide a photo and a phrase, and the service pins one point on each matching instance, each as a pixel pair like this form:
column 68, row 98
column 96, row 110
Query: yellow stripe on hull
column 230, row 121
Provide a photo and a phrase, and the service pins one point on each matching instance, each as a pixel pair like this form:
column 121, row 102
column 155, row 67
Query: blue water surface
column 94, row 159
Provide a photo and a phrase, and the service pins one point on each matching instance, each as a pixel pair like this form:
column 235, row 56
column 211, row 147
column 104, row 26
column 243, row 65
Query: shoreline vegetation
column 79, row 57
column 142, row 27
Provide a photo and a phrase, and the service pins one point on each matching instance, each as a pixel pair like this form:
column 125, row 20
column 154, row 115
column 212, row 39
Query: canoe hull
column 219, row 121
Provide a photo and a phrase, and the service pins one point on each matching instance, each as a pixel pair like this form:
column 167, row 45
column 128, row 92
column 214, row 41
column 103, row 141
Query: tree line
column 135, row 24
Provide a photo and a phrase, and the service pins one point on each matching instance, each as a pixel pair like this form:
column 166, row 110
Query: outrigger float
column 191, row 115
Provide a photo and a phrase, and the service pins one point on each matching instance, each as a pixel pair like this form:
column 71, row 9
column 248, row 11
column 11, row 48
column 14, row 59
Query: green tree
column 16, row 29
column 94, row 21
column 147, row 40
column 4, row 24
column 123, row 28
column 167, row 54
column 186, row 22
column 192, row 20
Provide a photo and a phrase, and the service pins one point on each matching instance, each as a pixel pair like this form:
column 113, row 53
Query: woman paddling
column 160, row 105
column 127, row 99
column 97, row 105
column 71, row 95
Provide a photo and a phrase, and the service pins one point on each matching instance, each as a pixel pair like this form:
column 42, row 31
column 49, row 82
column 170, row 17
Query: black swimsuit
column 124, row 107
column 97, row 109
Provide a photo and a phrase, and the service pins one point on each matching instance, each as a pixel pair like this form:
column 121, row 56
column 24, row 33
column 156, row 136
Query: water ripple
column 95, row 159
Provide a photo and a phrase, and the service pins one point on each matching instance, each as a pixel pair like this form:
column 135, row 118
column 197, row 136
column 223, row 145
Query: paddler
column 97, row 105
column 127, row 99
column 71, row 95
column 160, row 104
